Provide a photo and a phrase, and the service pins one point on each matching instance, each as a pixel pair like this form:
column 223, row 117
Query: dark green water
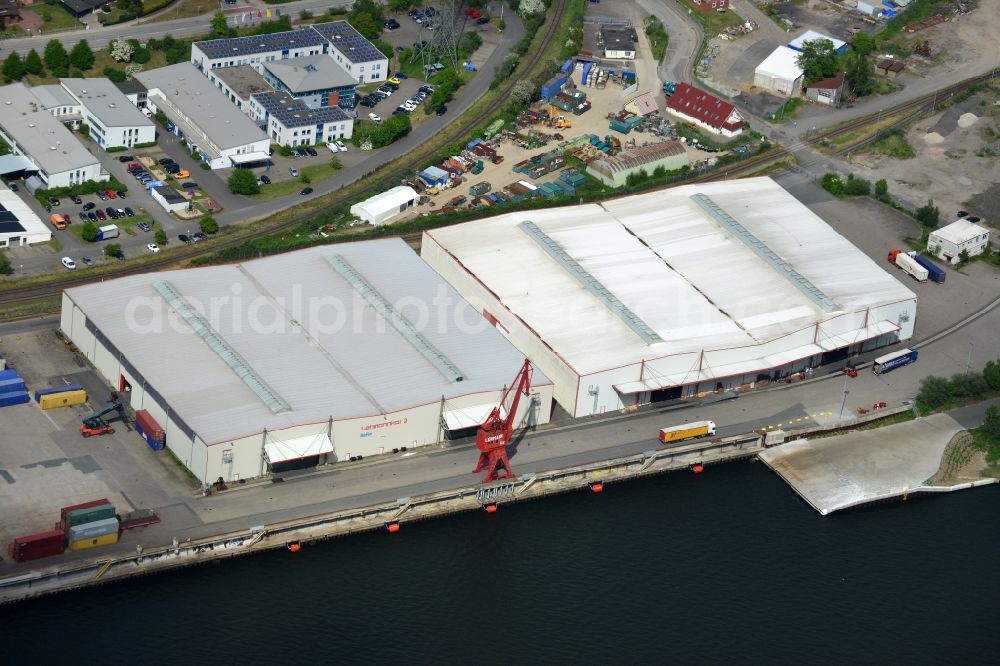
column 727, row 566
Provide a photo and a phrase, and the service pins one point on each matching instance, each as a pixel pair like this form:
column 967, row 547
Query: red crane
column 495, row 432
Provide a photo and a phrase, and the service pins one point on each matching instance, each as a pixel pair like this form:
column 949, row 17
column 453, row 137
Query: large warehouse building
column 673, row 293
column 297, row 359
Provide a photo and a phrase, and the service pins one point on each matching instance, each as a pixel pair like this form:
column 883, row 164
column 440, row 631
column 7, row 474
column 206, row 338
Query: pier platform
column 862, row 467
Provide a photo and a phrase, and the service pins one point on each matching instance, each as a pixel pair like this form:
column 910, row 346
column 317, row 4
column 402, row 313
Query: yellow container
column 63, row 399
column 96, row 542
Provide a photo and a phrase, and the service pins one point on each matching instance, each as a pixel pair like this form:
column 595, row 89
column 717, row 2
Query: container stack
column 89, row 525
column 37, row 546
column 150, row 430
column 12, row 391
column 63, row 396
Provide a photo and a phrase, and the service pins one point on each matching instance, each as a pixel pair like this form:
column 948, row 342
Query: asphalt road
column 684, row 37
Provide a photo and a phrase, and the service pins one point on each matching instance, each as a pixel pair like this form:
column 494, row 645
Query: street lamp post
column 968, row 361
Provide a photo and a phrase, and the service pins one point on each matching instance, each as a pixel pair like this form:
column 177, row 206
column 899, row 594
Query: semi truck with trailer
column 910, row 266
column 894, row 360
column 687, row 431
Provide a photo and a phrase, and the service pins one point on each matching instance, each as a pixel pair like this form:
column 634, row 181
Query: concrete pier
column 867, row 466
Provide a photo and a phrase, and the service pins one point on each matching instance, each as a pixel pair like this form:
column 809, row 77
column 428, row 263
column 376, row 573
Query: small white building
column 111, row 117
column 290, row 122
column 171, row 200
column 618, row 43
column 58, row 157
column 202, row 115
column 949, row 242
column 780, row 72
column 18, row 224
column 382, row 207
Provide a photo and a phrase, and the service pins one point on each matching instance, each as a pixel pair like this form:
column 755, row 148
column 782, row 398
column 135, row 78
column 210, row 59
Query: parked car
column 119, row 255
column 144, row 226
column 368, row 102
column 293, row 172
column 67, row 219
column 126, row 158
column 13, row 187
column 341, row 146
column 91, row 216
column 401, row 75
column 152, row 247
column 100, row 215
column 83, row 216
column 111, row 194
column 441, row 110
column 120, row 193
column 184, row 238
column 393, row 80
column 102, row 196
column 87, row 261
column 198, row 236
column 183, row 173
column 173, row 169
column 426, row 89
column 121, row 212
column 54, row 202
column 111, row 212
column 190, row 185
column 165, row 160
column 312, row 151
column 307, row 190
column 482, row 20
column 69, row 264
column 75, row 199
column 264, row 179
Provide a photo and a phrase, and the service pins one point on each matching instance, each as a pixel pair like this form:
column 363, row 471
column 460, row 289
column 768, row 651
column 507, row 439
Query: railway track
column 417, row 157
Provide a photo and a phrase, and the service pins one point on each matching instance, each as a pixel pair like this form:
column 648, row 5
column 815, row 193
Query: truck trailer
column 910, row 265
column 107, row 232
column 934, row 272
column 687, row 431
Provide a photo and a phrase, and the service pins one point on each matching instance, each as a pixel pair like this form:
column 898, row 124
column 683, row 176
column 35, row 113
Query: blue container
column 8, row 385
column 71, row 387
column 552, row 88
column 935, row 273
column 472, row 144
column 153, row 443
column 567, row 66
column 9, row 374
column 13, row 398
column 92, row 530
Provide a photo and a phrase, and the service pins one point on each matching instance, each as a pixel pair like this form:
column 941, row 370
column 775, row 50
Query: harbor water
column 727, row 565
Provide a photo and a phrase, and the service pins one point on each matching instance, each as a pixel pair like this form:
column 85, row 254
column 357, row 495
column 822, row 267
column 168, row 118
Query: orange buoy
column 294, row 547
column 697, row 469
column 597, row 487
column 491, row 507
column 393, row 527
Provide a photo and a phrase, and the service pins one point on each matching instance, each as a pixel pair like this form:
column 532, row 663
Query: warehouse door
column 665, row 394
column 835, row 355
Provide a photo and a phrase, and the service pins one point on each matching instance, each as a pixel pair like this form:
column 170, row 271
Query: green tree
column 863, row 44
column 470, row 42
column 968, row 385
column 881, row 188
column 82, row 56
column 403, row 5
column 160, row 237
column 242, row 181
column 928, row 215
column 56, row 58
column 818, row 60
column 369, row 7
column 115, row 75
column 208, row 225
column 964, row 257
column 88, row 232
column 991, row 424
column 934, row 392
column 5, row 267
column 13, row 67
column 33, row 63
column 140, row 55
column 501, row 25
column 366, row 25
column 857, row 187
column 991, row 373
column 832, row 183
column 305, row 15
column 112, row 250
column 336, row 164
column 860, row 75
column 220, row 27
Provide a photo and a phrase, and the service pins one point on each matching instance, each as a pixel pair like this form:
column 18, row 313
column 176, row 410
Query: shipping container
column 36, row 546
column 64, row 399
column 94, row 542
column 11, row 385
column 909, row 265
column 14, row 398
column 90, row 530
column 934, row 272
column 149, row 426
column 894, row 360
column 57, row 389
column 89, row 515
column 66, row 510
column 687, row 431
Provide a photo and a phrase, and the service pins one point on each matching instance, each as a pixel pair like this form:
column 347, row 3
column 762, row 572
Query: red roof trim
column 698, row 104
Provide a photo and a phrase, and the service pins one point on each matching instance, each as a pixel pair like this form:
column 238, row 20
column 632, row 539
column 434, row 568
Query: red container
column 86, row 505
column 150, row 426
column 37, row 546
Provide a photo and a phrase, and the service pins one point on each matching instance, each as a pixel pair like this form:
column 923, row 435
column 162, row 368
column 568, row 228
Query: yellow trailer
column 95, row 542
column 63, row 399
column 687, row 431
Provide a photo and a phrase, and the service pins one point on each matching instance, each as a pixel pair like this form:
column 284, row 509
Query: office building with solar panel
column 18, row 223
column 290, row 122
column 676, row 293
column 294, row 360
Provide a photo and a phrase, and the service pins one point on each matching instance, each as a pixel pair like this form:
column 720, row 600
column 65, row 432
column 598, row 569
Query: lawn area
column 316, row 173
column 713, row 22
column 59, row 18
column 786, row 113
column 184, row 9
column 894, row 145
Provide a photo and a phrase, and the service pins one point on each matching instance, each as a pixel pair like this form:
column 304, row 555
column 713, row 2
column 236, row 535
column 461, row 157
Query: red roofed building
column 709, row 5
column 705, row 111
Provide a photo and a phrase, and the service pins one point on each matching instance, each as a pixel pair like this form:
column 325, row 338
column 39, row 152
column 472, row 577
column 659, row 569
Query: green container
column 90, row 515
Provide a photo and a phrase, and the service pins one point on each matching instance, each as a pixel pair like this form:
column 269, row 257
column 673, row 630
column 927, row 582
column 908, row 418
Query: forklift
column 95, row 424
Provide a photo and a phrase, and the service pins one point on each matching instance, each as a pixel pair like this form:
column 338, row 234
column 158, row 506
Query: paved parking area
column 45, row 463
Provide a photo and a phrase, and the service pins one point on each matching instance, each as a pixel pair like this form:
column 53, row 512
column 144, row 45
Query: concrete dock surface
column 859, row 467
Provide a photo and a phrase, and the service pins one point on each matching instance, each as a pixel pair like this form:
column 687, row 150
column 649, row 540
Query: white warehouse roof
column 293, row 339
column 698, row 267
column 384, row 205
column 781, row 64
column 960, row 231
column 811, row 36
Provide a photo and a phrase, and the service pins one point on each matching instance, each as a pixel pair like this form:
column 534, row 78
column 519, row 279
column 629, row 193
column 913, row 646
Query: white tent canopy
column 282, row 450
column 382, row 207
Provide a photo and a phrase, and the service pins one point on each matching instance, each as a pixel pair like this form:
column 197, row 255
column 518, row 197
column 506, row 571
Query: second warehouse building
column 673, row 293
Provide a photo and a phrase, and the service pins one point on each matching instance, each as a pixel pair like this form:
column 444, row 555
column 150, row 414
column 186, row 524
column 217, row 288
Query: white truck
column 106, row 232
